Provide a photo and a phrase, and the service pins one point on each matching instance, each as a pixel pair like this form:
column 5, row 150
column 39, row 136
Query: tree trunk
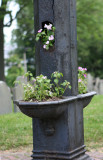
column 1, row 51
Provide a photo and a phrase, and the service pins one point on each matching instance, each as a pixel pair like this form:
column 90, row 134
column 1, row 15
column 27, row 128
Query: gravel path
column 24, row 154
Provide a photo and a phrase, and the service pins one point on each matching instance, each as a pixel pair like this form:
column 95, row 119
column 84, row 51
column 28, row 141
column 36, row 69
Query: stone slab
column 5, row 99
column 18, row 91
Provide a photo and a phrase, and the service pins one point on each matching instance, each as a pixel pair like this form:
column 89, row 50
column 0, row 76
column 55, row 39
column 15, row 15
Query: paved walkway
column 24, row 154
column 96, row 155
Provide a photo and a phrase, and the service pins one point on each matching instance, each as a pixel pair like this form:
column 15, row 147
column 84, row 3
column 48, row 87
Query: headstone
column 5, row 99
column 90, row 81
column 101, row 87
column 18, row 91
column 97, row 85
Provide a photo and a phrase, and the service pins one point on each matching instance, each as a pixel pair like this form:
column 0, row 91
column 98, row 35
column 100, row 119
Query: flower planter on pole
column 58, row 132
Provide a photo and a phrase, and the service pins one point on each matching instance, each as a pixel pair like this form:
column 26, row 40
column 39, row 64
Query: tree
column 23, row 36
column 3, row 12
column 90, row 35
column 15, row 69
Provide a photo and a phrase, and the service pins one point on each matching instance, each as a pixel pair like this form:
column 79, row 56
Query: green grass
column 16, row 129
column 93, row 123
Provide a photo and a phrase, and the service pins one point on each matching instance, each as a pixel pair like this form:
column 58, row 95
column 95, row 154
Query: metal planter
column 58, row 127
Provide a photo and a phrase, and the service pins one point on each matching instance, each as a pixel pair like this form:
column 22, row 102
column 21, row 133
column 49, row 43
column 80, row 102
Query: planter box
column 52, row 109
column 58, row 131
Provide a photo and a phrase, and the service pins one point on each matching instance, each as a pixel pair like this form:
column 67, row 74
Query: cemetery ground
column 16, row 129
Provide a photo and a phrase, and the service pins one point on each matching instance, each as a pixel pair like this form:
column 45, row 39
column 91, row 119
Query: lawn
column 16, row 129
column 93, row 123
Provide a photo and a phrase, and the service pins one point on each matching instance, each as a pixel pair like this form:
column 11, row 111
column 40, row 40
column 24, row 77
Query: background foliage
column 23, row 40
column 89, row 35
column 15, row 69
column 23, row 36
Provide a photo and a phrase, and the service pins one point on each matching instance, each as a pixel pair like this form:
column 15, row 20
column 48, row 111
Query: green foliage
column 23, row 36
column 82, row 80
column 15, row 69
column 46, row 36
column 41, row 88
column 90, row 35
column 59, row 88
column 3, row 9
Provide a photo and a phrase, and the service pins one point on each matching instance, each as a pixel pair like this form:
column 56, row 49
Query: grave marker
column 5, row 99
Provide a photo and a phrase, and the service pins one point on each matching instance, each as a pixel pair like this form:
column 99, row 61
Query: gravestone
column 18, row 91
column 101, row 87
column 5, row 99
column 90, row 81
column 97, row 85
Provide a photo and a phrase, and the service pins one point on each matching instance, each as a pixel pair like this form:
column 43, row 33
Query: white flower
column 79, row 80
column 44, row 77
column 40, row 31
column 51, row 38
column 49, row 27
column 47, row 42
column 44, row 46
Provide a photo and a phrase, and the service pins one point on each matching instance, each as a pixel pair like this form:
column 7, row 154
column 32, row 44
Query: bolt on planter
column 58, row 125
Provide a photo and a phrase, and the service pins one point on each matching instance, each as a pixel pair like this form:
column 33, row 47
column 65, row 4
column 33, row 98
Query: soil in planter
column 44, row 100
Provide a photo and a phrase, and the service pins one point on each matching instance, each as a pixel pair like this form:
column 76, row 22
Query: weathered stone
column 97, row 85
column 56, row 134
column 101, row 87
column 68, row 140
column 18, row 91
column 5, row 99
column 62, row 14
column 90, row 81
